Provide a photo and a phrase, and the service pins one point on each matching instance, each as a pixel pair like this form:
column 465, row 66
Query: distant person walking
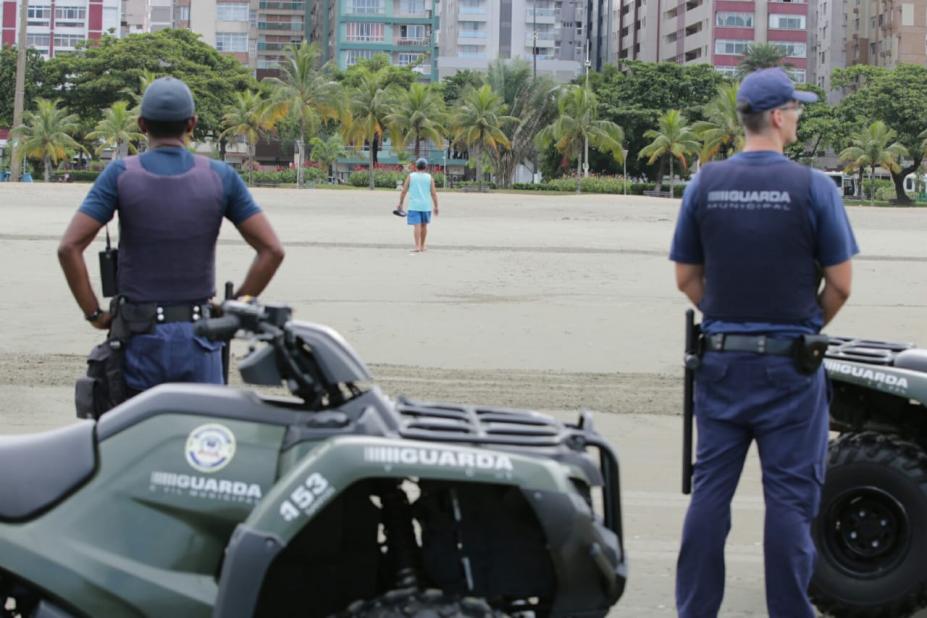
column 423, row 196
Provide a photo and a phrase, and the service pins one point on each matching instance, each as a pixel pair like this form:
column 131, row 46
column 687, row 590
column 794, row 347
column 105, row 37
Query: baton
column 691, row 363
column 226, row 359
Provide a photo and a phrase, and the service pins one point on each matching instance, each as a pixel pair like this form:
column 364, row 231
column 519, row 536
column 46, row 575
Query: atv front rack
column 865, row 350
column 503, row 427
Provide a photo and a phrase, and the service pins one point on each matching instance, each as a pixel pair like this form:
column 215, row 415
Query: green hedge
column 597, row 184
column 311, row 175
column 83, row 175
column 381, row 178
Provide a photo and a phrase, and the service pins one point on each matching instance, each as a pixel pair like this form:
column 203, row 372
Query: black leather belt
column 758, row 344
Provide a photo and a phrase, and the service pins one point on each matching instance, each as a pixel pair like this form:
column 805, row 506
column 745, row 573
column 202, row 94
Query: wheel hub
column 867, row 531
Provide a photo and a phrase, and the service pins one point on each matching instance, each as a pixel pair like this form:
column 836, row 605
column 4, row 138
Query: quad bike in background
column 871, row 531
column 201, row 500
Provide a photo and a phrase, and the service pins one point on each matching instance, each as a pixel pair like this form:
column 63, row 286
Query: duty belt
column 758, row 344
column 166, row 313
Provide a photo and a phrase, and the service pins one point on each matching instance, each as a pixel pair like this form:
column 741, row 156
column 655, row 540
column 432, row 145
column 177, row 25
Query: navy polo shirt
column 102, row 200
column 833, row 236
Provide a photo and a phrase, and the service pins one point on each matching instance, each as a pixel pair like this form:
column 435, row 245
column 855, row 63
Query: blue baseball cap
column 168, row 99
column 768, row 89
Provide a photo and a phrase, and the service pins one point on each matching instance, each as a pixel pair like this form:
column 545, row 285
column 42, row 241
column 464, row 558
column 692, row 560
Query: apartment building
column 405, row 30
column 717, row 32
column 56, row 27
column 551, row 34
column 885, row 33
column 275, row 25
column 829, row 43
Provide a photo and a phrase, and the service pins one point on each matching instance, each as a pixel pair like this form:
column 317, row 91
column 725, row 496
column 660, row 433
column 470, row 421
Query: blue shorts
column 415, row 217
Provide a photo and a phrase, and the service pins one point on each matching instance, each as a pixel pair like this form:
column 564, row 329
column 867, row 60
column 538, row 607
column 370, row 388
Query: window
column 786, row 22
column 731, row 47
column 38, row 15
column 353, row 55
column 38, row 40
column 67, row 41
column 406, row 59
column 160, row 14
column 471, row 51
column 232, row 41
column 472, row 6
column 792, row 50
column 70, row 16
column 183, row 13
column 232, row 12
column 416, row 32
column 798, row 75
column 473, row 30
column 413, row 7
column 365, row 7
column 727, row 71
column 364, row 32
column 734, row 20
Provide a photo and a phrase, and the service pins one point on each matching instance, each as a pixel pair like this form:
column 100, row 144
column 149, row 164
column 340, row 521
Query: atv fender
column 305, row 490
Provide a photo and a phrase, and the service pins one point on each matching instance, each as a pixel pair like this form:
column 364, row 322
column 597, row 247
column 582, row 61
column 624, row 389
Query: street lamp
column 587, row 64
column 624, row 170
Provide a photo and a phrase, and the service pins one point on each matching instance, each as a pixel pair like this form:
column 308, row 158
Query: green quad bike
column 871, row 531
column 197, row 500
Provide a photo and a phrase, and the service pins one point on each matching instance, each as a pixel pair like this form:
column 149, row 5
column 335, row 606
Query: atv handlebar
column 218, row 329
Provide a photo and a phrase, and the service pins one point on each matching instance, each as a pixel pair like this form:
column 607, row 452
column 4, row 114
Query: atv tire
column 871, row 531
column 412, row 603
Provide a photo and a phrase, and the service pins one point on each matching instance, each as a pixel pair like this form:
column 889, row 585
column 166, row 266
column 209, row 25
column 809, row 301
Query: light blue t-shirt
column 420, row 191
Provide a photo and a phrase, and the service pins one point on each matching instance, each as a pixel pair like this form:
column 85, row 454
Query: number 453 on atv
column 195, row 500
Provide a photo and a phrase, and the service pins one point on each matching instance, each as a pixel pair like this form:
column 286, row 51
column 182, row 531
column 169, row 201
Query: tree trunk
column 579, row 172
column 250, row 164
column 47, row 174
column 659, row 184
column 672, row 179
column 901, row 197
column 859, row 183
column 300, row 159
column 418, row 142
column 871, row 185
column 479, row 169
column 223, row 144
column 370, row 180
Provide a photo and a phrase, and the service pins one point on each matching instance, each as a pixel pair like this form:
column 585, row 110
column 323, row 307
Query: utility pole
column 19, row 97
column 534, row 47
column 586, row 137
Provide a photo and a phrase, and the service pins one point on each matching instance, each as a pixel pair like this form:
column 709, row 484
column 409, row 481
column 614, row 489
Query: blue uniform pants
column 741, row 397
column 171, row 353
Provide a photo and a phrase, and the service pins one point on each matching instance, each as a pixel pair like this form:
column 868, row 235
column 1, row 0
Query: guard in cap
column 423, row 196
column 171, row 205
column 753, row 235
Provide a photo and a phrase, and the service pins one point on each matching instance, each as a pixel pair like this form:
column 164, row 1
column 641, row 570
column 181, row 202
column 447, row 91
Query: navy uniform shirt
column 834, row 241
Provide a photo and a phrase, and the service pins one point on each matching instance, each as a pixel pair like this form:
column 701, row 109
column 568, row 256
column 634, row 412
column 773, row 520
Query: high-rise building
column 829, row 43
column 57, row 27
column 717, row 32
column 885, row 33
column 274, row 26
column 551, row 34
column 404, row 30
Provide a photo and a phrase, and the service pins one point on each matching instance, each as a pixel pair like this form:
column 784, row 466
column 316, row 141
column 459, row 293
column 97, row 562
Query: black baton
column 691, row 363
column 229, row 294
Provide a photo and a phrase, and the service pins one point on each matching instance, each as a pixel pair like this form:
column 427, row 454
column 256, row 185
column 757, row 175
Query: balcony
column 282, row 6
column 295, row 26
column 477, row 35
column 544, row 16
column 416, row 42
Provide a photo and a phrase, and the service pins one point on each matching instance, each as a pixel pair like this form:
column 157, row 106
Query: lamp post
column 624, row 170
column 586, row 137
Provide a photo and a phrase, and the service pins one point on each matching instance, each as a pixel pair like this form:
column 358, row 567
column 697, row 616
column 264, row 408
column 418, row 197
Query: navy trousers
column 741, row 397
column 171, row 353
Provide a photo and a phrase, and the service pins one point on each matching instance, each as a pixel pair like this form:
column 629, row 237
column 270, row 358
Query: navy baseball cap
column 768, row 89
column 168, row 99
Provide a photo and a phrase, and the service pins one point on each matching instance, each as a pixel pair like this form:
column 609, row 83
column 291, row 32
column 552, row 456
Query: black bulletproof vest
column 758, row 242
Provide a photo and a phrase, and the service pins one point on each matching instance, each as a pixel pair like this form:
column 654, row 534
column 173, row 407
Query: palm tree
column 310, row 95
column 721, row 133
column 419, row 114
column 761, row 56
column 118, row 128
column 251, row 117
column 371, row 105
column 327, row 151
column 478, row 125
column 532, row 101
column 870, row 148
column 674, row 140
column 578, row 125
column 46, row 134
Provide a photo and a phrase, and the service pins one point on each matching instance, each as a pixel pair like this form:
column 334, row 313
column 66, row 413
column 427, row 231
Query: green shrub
column 84, row 175
column 383, row 179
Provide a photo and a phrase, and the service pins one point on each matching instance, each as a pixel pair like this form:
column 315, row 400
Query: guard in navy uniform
column 171, row 205
column 753, row 234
